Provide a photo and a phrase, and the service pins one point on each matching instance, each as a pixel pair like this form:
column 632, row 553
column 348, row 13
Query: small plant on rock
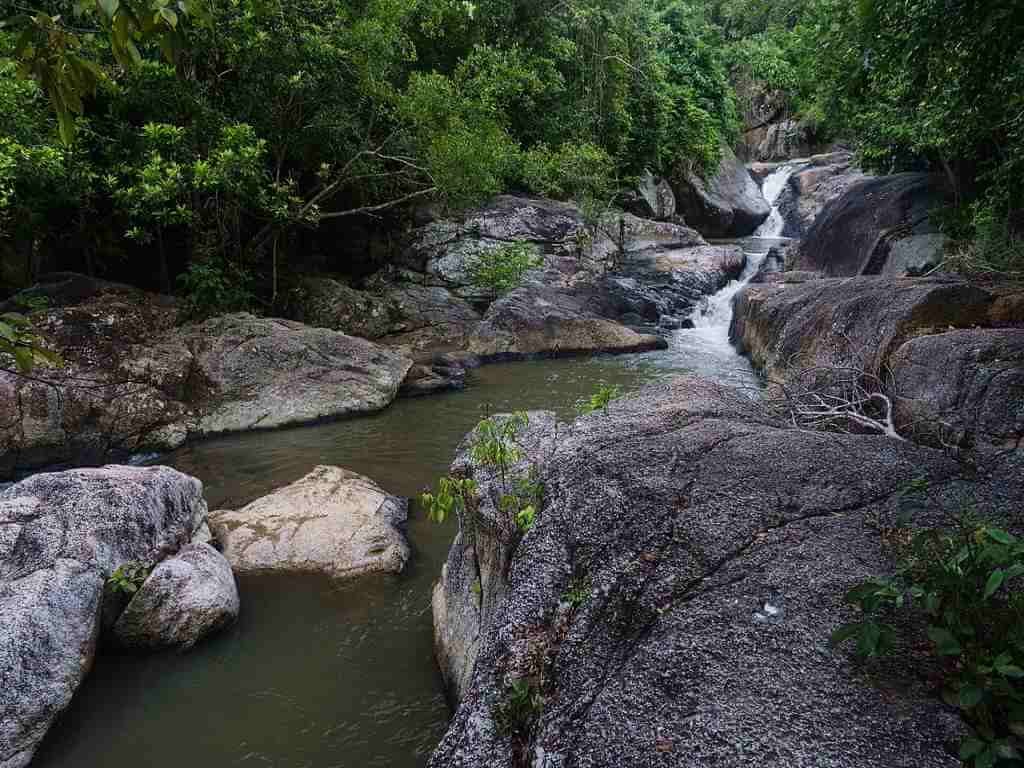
column 522, row 705
column 578, row 592
column 600, row 400
column 500, row 270
column 453, row 495
column 128, row 578
column 967, row 581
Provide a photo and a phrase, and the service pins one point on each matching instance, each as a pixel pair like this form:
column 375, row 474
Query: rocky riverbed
column 693, row 544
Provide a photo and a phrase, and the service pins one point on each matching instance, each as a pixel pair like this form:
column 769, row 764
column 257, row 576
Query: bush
column 214, row 286
column 500, row 270
column 967, row 583
column 578, row 171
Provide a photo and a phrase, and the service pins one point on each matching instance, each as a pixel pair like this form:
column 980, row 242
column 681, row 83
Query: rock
column 810, row 189
column 323, row 302
column 539, row 319
column 951, row 381
column 262, row 373
column 859, row 232
column 772, row 267
column 781, row 140
column 135, row 382
column 853, row 322
column 61, row 536
column 728, row 205
column 430, row 379
column 186, row 597
column 682, row 580
column 445, row 250
column 963, row 388
column 434, row 321
column 332, row 521
column 652, row 199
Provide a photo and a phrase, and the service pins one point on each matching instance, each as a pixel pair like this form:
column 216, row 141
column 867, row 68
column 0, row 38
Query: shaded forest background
column 216, row 151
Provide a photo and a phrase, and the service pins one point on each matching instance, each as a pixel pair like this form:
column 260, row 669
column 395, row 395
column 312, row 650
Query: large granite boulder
column 261, row 373
column 856, row 322
column 187, row 597
column 963, row 387
column 135, row 381
column 433, row 320
column 876, row 226
column 729, row 204
column 541, row 318
column 674, row 600
column 779, row 140
column 61, row 536
column 324, row 302
column 924, row 343
column 813, row 186
column 652, row 198
column 332, row 521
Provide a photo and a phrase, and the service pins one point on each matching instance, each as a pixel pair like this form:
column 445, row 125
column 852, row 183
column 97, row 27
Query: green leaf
column 995, row 581
column 24, row 359
column 945, row 642
column 1001, row 536
column 970, row 696
column 109, row 8
column 169, row 16
column 970, row 748
column 867, row 641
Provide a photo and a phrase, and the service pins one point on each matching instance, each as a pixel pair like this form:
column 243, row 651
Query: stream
column 317, row 674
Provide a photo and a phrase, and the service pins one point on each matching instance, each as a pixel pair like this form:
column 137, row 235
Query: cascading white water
column 705, row 348
column 772, row 187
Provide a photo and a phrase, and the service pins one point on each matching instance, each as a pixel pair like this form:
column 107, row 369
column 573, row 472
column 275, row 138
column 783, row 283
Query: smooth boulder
column 681, row 582
column 61, row 536
column 962, row 387
column 331, row 521
column 134, row 380
column 186, row 598
column 728, row 204
column 878, row 225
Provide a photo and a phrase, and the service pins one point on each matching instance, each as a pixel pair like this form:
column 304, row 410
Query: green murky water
column 314, row 674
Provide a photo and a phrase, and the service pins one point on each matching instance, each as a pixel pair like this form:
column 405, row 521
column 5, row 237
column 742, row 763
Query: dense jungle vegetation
column 210, row 148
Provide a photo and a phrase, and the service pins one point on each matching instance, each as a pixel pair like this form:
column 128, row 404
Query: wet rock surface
column 332, row 521
column 61, row 536
column 810, row 189
column 673, row 602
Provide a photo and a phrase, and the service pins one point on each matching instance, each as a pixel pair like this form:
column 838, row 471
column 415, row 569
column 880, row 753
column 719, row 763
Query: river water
column 323, row 675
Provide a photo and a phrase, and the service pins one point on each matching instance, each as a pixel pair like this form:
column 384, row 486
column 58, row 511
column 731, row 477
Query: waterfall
column 772, row 187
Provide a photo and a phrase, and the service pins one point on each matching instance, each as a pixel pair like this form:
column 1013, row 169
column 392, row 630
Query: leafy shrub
column 502, row 269
column 967, row 581
column 214, row 286
column 577, row 171
column 128, row 578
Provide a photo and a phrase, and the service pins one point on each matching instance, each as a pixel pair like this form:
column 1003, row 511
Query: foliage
column 20, row 343
column 128, row 578
column 967, row 582
column 600, row 400
column 518, row 711
column 581, row 172
column 578, row 591
column 453, row 495
column 500, row 270
column 214, row 286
